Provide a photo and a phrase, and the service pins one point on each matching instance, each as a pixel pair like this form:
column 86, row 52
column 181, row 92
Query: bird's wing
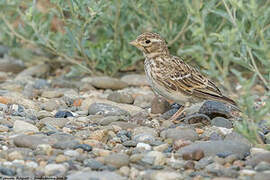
column 189, row 80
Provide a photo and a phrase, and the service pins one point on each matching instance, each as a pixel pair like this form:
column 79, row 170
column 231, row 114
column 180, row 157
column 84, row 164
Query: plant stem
column 257, row 70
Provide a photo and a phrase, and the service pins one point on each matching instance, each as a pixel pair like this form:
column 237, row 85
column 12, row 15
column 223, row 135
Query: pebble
column 50, row 105
column 3, row 77
column 52, row 94
column 95, row 175
column 155, row 158
column 7, row 171
column 9, row 64
column 120, row 97
column 55, row 122
column 159, row 105
column 15, row 155
column 61, row 158
column 180, row 133
column 38, row 71
column 106, row 110
column 71, row 153
column 259, row 157
column 3, row 128
column 164, row 175
column 197, row 118
column 116, row 160
column 85, row 147
column 214, row 109
column 161, row 147
column 107, row 83
column 143, row 101
column 144, row 146
column 109, row 119
column 55, row 170
column 63, row 114
column 93, row 164
column 254, row 151
column 125, row 171
column 23, row 127
column 262, row 166
column 213, row 147
column 247, row 172
column 221, row 122
column 45, row 149
column 135, row 80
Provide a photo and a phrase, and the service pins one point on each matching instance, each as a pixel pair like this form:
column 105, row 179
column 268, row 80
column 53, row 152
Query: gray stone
column 64, row 141
column 3, row 77
column 124, row 125
column 22, row 127
column 262, row 176
column 135, row 80
column 257, row 158
column 145, row 130
column 263, row 166
column 56, row 122
column 106, row 110
column 120, row 97
column 179, row 133
column 52, row 94
column 146, row 138
column 221, row 122
column 7, row 171
column 197, row 118
column 109, row 119
column 234, row 136
column 163, row 175
column 32, row 141
column 214, row 147
column 93, row 164
column 39, row 70
column 9, row 64
column 107, row 83
column 130, row 143
column 116, row 160
column 95, row 175
column 55, row 170
column 216, row 109
column 143, row 101
column 155, row 158
column 159, row 105
column 50, row 105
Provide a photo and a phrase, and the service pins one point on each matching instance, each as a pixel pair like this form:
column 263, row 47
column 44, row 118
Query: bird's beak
column 134, row 43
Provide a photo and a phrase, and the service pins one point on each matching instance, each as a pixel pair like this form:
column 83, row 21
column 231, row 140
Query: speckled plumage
column 171, row 77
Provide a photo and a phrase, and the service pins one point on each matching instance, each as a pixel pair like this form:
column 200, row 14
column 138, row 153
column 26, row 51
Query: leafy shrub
column 228, row 38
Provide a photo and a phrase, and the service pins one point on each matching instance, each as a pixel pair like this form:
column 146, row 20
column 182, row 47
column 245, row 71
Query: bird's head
column 151, row 44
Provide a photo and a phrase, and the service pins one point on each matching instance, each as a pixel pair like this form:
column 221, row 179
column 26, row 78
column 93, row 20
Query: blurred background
column 229, row 40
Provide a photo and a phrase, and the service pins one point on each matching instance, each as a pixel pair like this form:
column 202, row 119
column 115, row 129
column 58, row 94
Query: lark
column 172, row 78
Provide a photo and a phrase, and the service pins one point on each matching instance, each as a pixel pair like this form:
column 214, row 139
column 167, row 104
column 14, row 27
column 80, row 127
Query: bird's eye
column 147, row 41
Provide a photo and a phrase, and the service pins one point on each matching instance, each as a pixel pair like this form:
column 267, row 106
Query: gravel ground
column 105, row 128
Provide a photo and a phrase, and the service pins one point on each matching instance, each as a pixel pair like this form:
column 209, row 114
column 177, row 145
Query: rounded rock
column 159, row 105
column 116, row 160
column 55, row 170
column 221, row 122
column 120, row 97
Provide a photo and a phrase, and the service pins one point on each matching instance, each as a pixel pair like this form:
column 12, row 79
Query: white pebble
column 144, row 145
column 254, row 151
column 31, row 164
column 225, row 131
column 71, row 153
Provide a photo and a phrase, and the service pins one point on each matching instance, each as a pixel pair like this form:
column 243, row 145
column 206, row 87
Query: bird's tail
column 230, row 101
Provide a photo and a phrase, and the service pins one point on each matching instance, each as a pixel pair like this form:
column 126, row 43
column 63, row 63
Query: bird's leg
column 179, row 112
